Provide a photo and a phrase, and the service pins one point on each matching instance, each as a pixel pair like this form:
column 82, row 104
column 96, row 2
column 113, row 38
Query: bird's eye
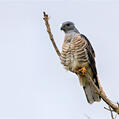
column 68, row 24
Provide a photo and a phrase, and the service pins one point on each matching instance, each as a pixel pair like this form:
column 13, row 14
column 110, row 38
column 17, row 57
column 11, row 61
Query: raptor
column 78, row 57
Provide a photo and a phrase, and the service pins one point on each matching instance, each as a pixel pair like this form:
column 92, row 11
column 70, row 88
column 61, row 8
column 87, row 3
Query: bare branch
column 103, row 95
column 46, row 18
column 108, row 109
column 111, row 112
column 100, row 92
column 115, row 116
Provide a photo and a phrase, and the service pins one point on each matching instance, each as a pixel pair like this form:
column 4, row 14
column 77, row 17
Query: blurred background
column 33, row 83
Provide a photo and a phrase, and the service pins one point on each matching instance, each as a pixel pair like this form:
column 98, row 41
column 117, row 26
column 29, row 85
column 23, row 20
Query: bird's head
column 69, row 27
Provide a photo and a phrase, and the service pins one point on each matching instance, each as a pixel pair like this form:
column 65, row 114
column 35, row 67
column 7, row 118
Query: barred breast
column 73, row 53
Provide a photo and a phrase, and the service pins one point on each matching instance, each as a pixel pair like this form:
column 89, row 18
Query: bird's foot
column 83, row 70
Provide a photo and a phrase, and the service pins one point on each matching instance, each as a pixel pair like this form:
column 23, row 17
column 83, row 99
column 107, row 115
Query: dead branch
column 46, row 18
column 100, row 92
column 108, row 109
column 111, row 112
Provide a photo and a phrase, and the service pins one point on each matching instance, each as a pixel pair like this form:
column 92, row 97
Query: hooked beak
column 61, row 28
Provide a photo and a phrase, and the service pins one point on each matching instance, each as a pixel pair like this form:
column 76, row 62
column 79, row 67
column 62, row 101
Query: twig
column 46, row 18
column 111, row 112
column 115, row 116
column 100, row 91
column 87, row 116
column 108, row 109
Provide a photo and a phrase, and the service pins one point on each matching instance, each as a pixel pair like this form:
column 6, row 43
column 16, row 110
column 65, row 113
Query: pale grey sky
column 33, row 83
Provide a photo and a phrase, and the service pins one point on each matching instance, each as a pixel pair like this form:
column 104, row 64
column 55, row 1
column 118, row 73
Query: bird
column 78, row 56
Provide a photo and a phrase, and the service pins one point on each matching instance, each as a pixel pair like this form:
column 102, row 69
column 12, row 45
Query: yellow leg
column 83, row 70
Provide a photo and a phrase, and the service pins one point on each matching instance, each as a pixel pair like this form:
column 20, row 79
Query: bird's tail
column 90, row 91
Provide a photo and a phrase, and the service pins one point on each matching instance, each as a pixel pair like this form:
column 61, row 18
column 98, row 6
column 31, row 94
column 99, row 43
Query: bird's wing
column 89, row 45
column 91, row 59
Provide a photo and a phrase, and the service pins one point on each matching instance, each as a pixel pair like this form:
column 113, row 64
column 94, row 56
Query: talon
column 83, row 70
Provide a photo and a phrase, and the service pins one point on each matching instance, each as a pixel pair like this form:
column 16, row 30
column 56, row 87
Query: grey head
column 69, row 27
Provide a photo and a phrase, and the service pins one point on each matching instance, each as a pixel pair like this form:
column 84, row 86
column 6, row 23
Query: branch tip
column 46, row 18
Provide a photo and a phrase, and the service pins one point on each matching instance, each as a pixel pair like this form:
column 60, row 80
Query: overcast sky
column 33, row 83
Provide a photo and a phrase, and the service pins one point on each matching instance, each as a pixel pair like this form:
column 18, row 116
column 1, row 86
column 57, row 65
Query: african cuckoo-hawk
column 78, row 57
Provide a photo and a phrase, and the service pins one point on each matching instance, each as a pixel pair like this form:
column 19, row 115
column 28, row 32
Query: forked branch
column 100, row 92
